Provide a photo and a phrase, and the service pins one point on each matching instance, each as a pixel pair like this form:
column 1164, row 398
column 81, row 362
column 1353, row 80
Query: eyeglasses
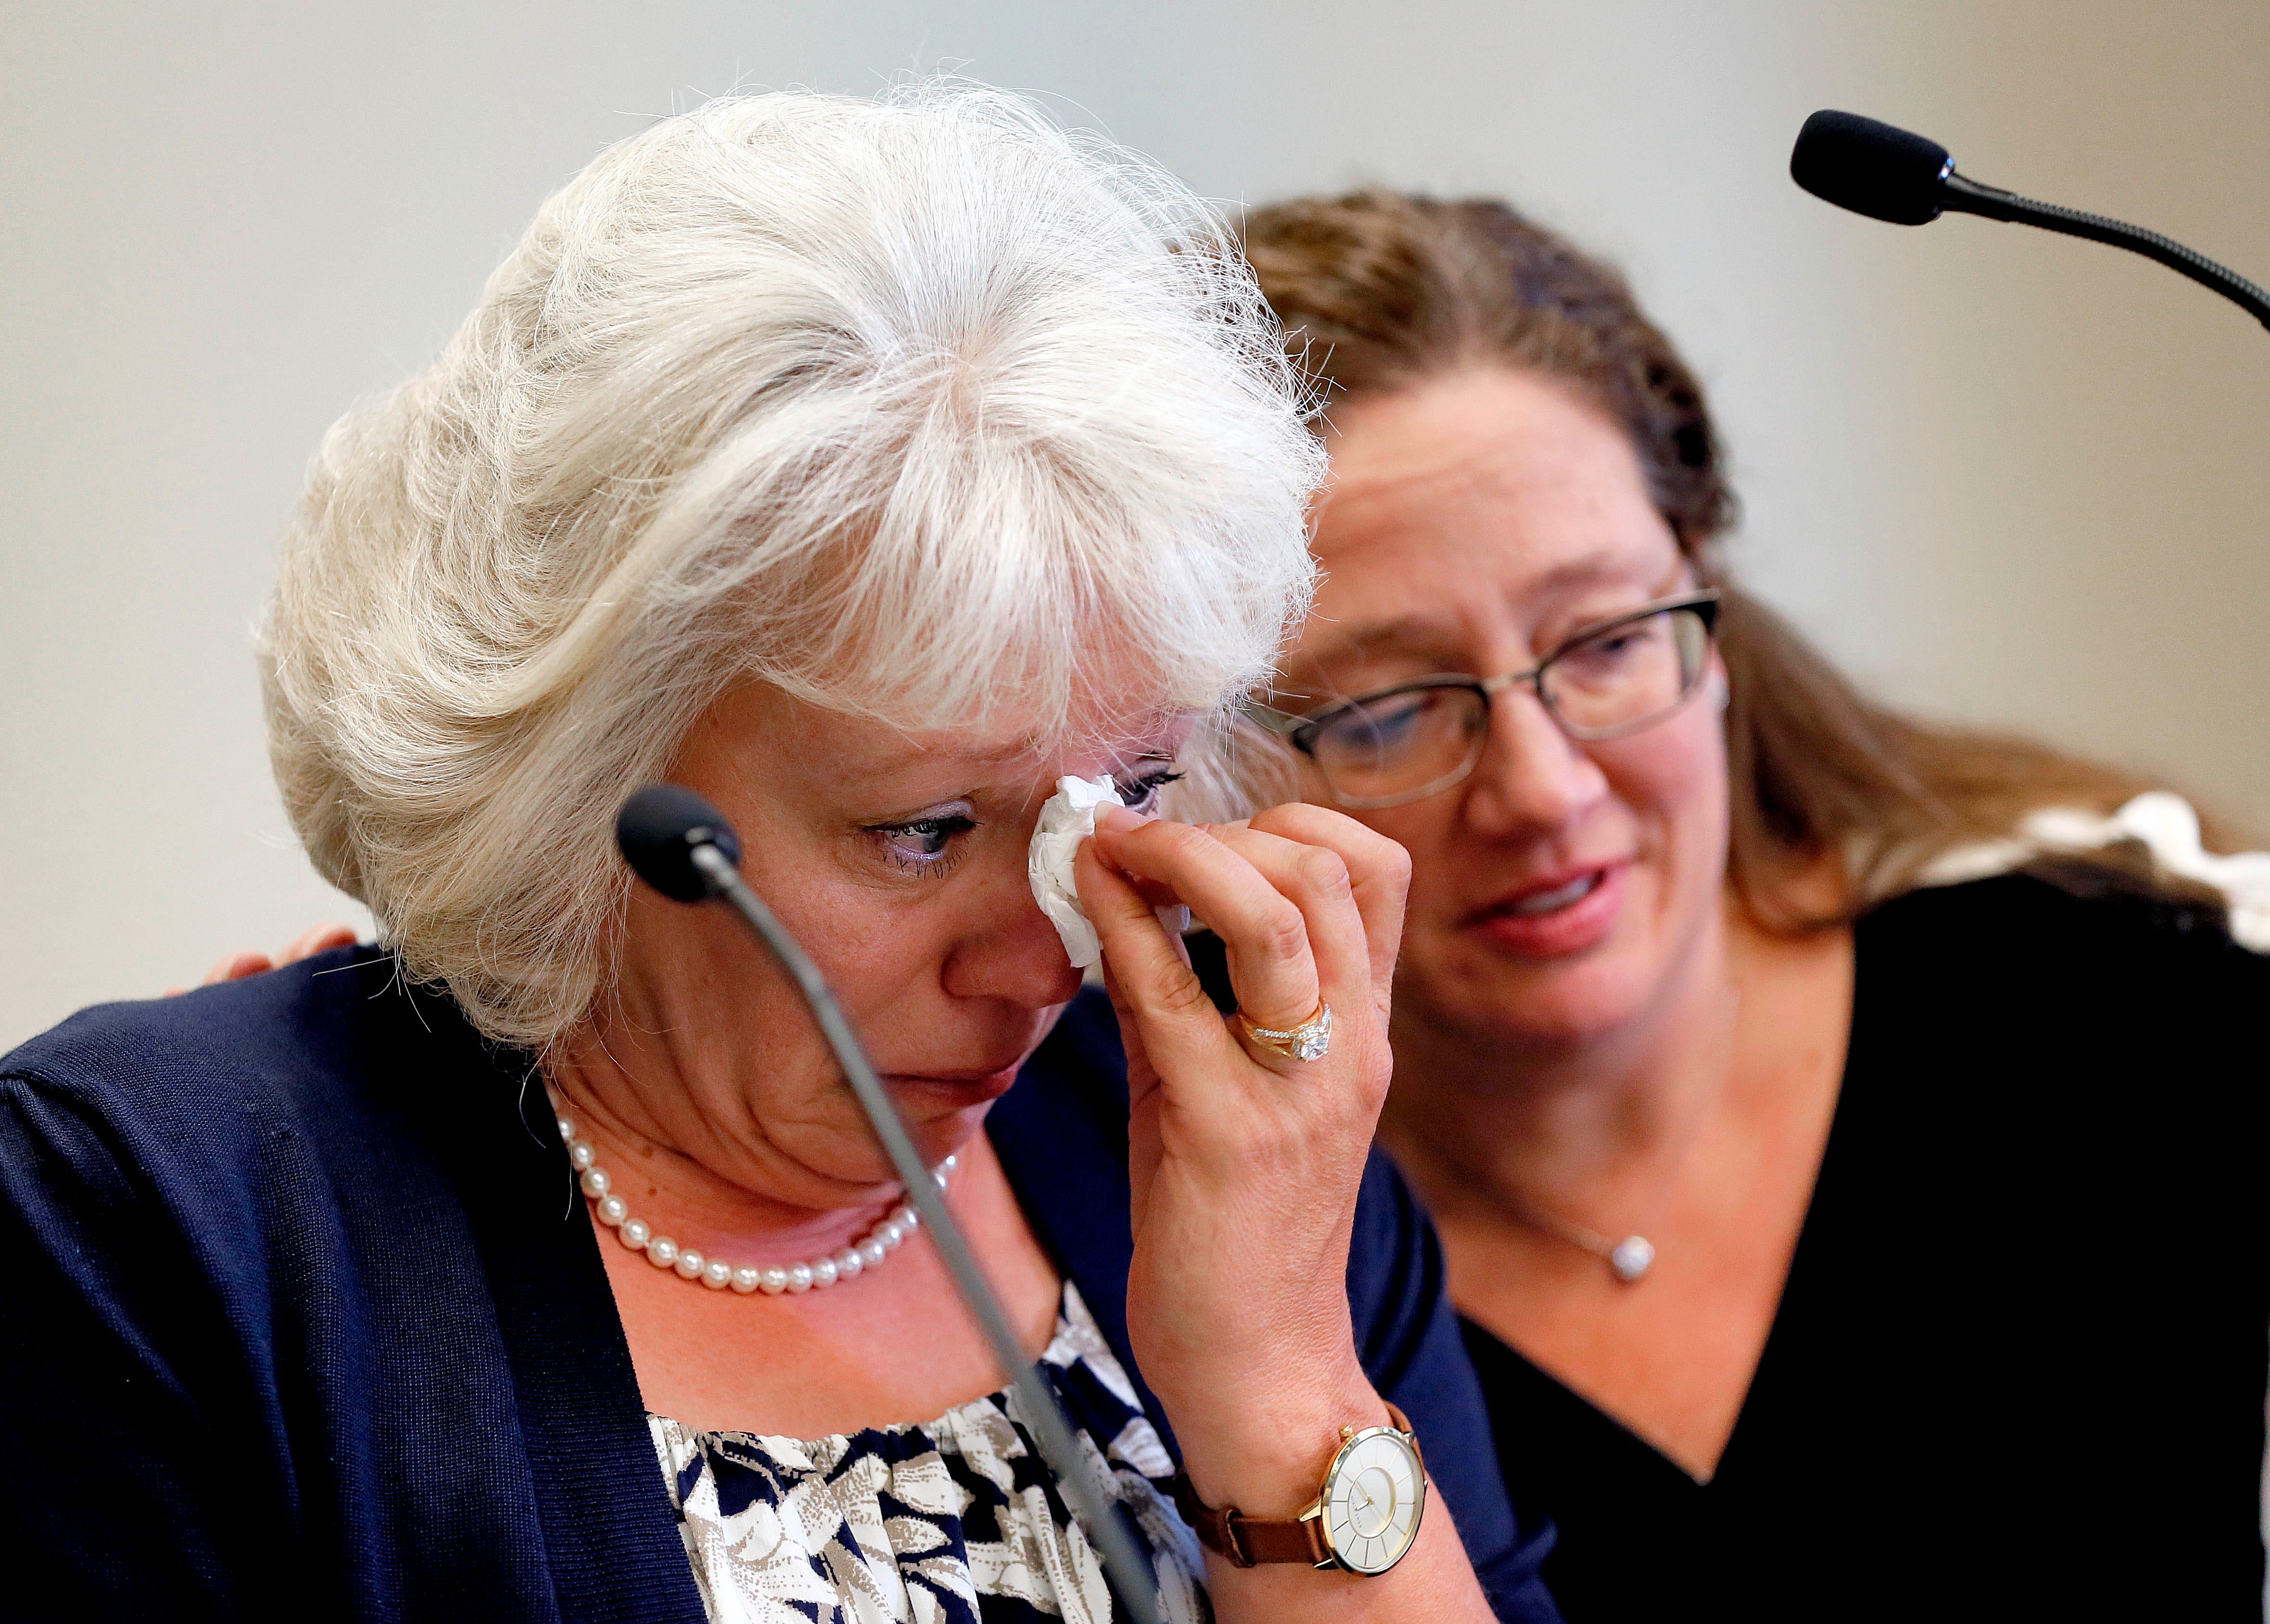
column 1418, row 738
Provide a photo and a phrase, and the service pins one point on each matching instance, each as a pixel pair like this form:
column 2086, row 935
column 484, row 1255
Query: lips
column 1556, row 916
column 1540, row 903
column 970, row 1087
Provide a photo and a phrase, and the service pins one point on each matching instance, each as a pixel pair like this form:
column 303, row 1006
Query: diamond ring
column 1309, row 1041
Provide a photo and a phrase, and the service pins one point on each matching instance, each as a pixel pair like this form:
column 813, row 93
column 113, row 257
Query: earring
column 1721, row 695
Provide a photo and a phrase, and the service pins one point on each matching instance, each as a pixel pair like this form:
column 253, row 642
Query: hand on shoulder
column 237, row 966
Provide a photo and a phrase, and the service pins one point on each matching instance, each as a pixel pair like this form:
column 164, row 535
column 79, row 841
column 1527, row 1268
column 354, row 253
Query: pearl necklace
column 1631, row 1258
column 1627, row 1259
column 865, row 1253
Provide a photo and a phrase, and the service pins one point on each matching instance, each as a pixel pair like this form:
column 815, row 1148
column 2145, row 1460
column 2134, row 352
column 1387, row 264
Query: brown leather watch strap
column 1249, row 1541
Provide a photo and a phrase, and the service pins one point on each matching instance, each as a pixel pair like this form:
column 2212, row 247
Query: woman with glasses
column 1831, row 1243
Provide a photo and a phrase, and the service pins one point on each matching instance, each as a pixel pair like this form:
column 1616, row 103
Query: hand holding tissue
column 1068, row 819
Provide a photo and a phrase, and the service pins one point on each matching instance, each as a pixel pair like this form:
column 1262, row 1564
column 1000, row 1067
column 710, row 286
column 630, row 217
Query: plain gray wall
column 2004, row 476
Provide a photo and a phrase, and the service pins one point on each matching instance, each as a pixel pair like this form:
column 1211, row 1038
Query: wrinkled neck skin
column 1577, row 1123
column 623, row 1081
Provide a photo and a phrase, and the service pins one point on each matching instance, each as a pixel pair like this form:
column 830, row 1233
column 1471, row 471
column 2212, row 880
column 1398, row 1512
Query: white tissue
column 1068, row 819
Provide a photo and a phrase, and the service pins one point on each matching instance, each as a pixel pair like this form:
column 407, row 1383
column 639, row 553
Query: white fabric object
column 1068, row 819
column 2163, row 822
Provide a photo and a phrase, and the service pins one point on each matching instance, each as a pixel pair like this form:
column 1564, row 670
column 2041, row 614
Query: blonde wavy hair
column 918, row 408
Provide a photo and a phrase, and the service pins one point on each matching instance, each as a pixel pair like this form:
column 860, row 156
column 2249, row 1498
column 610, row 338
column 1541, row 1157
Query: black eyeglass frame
column 1301, row 732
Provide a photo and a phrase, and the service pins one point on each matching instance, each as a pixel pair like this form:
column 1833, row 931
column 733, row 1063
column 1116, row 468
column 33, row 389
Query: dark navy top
column 304, row 1316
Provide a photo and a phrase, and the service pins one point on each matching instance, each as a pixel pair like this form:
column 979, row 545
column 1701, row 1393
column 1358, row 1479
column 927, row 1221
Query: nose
column 1533, row 780
column 1015, row 956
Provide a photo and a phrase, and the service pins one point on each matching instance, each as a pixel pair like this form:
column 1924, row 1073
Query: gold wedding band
column 1309, row 1041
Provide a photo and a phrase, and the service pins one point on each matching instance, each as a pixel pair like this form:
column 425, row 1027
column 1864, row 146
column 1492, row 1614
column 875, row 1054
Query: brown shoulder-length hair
column 1378, row 291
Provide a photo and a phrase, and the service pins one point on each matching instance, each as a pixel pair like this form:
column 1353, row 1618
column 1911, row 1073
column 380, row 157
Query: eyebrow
column 1419, row 636
column 983, row 772
column 1406, row 634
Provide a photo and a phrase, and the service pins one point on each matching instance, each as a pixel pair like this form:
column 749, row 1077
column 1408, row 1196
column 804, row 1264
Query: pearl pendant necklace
column 1631, row 1258
column 1627, row 1259
column 867, row 1252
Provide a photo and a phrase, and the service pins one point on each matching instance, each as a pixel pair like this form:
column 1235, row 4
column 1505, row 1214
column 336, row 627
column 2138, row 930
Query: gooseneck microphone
column 1889, row 173
column 683, row 847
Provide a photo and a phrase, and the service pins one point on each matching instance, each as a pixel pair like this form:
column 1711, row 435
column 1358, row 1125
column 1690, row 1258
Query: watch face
column 1373, row 1500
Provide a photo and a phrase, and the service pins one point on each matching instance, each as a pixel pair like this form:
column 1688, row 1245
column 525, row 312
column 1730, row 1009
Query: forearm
column 1267, row 1455
column 1246, row 1159
column 1433, row 1584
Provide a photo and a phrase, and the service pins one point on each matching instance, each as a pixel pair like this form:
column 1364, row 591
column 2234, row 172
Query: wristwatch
column 1362, row 1521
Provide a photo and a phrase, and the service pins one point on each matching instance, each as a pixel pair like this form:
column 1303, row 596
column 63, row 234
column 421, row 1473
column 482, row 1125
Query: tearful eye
column 1140, row 793
column 924, row 845
column 922, row 840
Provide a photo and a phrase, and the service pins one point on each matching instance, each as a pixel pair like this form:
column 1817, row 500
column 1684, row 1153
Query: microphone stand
column 1894, row 174
column 1964, row 196
column 1132, row 1582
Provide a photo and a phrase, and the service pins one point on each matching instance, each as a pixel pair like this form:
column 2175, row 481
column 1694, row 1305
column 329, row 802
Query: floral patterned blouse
column 956, row 1521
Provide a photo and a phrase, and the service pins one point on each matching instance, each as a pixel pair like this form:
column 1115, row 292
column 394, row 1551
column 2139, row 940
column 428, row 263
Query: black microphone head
column 658, row 829
column 1871, row 168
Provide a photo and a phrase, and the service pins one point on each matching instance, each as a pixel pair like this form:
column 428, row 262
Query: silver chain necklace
column 1627, row 1259
column 1631, row 1258
column 867, row 1252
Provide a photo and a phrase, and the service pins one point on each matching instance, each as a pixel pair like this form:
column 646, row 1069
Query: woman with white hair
column 869, row 468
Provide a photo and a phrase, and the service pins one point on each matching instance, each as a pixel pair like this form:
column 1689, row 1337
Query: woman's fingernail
column 1121, row 818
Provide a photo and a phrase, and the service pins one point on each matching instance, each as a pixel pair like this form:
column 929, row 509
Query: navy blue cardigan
column 303, row 1316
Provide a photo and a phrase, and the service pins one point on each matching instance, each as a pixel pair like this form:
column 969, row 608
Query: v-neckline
column 1568, row 1397
column 1777, row 1329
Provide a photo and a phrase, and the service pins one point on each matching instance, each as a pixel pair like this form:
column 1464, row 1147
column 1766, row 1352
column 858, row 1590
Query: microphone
column 1889, row 173
column 681, row 846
